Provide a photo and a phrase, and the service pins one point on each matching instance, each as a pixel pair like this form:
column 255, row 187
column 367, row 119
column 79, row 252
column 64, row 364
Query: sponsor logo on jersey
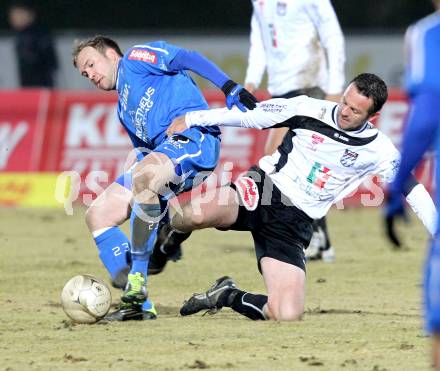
column 248, row 191
column 308, row 189
column 271, row 107
column 348, row 158
column 124, row 96
column 316, row 139
column 281, row 8
column 319, row 175
column 341, row 137
column 143, row 55
column 322, row 113
column 140, row 117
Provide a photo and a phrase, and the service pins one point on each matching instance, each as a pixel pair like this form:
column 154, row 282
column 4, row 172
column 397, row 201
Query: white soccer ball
column 86, row 299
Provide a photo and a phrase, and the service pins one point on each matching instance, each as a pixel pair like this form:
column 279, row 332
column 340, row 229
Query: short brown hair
column 100, row 43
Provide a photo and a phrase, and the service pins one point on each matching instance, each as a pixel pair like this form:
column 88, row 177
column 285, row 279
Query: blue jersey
column 422, row 83
column 423, row 86
column 422, row 46
column 151, row 93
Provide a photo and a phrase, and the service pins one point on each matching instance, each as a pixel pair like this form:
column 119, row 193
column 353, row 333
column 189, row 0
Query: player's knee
column 284, row 309
column 291, row 313
column 142, row 181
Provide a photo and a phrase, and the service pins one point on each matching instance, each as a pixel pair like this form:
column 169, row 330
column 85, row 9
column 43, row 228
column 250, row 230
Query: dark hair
column 372, row 86
column 23, row 4
column 100, row 43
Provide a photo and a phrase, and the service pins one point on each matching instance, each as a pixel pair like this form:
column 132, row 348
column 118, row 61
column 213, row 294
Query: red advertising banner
column 56, row 131
column 85, row 136
column 23, row 118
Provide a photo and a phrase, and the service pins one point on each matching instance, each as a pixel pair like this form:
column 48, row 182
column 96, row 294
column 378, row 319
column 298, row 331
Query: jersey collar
column 335, row 121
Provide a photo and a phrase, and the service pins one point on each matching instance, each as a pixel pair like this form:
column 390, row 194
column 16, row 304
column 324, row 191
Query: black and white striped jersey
column 317, row 163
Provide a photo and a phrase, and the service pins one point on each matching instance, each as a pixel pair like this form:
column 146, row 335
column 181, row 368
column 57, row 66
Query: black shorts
column 280, row 230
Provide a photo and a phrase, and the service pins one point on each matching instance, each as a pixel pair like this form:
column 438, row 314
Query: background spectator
column 37, row 61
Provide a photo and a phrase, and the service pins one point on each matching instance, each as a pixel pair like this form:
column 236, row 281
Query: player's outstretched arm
column 235, row 94
column 419, row 134
column 420, row 202
column 273, row 112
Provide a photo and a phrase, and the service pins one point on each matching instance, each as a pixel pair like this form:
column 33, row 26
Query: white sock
column 98, row 232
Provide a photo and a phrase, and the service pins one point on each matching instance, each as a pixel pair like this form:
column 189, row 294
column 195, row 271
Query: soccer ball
column 86, row 299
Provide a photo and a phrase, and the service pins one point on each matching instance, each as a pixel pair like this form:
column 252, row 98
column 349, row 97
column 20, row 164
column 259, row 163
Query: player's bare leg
column 110, row 208
column 285, row 301
column 285, row 284
column 216, row 208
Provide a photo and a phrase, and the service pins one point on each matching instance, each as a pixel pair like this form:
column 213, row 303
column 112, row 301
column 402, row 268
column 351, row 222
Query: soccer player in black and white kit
column 329, row 150
column 301, row 46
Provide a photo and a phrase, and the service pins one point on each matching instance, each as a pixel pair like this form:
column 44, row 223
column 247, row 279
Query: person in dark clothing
column 36, row 57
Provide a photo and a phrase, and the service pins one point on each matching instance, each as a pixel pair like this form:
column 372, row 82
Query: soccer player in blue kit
column 423, row 87
column 153, row 88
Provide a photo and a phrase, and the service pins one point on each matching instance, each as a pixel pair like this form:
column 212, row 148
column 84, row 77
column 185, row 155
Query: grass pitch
column 362, row 311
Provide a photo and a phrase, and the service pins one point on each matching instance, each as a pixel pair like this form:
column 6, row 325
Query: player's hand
column 394, row 210
column 177, row 126
column 236, row 94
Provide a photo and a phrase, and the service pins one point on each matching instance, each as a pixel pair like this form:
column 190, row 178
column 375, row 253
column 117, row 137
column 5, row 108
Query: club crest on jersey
column 281, row 8
column 248, row 192
column 348, row 158
column 143, row 55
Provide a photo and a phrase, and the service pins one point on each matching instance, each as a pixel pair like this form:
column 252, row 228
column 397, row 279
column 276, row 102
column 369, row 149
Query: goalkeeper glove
column 236, row 94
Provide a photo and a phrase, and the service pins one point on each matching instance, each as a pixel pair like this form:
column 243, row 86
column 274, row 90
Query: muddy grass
column 363, row 311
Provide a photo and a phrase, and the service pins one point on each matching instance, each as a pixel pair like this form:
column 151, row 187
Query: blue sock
column 143, row 235
column 114, row 251
column 139, row 264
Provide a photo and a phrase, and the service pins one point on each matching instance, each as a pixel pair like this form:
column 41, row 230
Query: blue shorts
column 195, row 154
column 431, row 288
